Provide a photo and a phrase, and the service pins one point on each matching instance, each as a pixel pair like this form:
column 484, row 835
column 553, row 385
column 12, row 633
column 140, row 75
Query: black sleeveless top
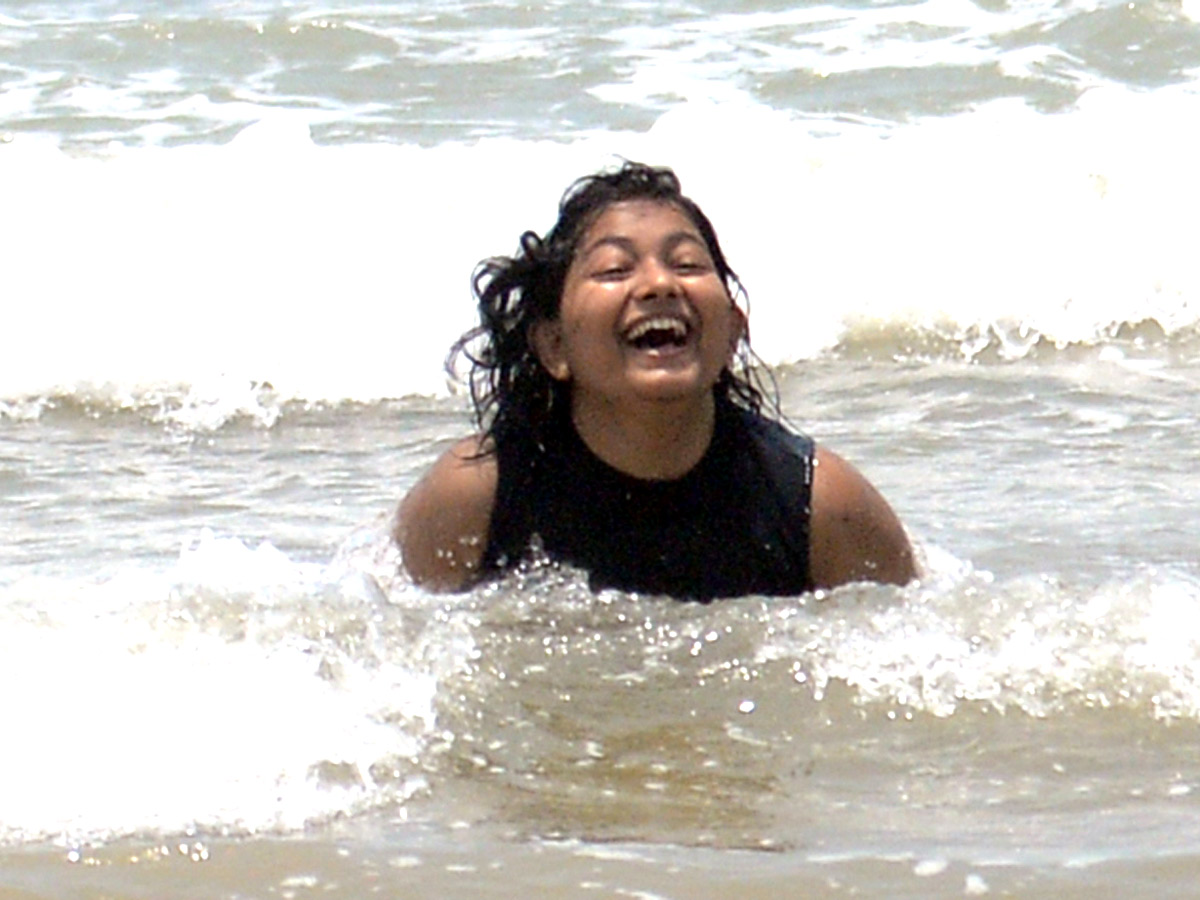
column 736, row 524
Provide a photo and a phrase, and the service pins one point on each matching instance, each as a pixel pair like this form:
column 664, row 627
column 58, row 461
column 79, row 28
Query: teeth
column 657, row 323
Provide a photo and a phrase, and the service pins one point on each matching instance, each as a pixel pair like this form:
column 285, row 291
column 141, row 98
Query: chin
column 673, row 387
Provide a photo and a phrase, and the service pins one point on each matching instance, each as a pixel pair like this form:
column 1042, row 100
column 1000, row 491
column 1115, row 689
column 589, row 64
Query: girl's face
column 644, row 314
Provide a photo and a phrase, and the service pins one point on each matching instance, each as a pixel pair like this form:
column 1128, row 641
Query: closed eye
column 611, row 273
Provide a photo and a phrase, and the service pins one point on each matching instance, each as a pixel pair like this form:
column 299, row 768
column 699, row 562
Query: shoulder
column 442, row 523
column 854, row 534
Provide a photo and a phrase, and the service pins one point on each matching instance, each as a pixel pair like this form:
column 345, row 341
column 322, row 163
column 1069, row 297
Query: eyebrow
column 671, row 241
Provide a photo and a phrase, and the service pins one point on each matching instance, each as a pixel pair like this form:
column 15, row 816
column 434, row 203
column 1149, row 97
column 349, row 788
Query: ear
column 739, row 328
column 547, row 339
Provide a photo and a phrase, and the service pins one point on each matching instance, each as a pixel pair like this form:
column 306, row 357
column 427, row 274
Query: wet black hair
column 511, row 392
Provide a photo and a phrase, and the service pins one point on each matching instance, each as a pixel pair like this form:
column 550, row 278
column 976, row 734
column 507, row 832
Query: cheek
column 590, row 313
column 729, row 323
column 583, row 339
column 575, row 328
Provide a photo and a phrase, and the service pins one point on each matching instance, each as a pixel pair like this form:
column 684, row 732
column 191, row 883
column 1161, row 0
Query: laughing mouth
column 658, row 332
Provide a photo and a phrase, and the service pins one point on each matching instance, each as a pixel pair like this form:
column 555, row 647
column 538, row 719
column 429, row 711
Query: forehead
column 630, row 218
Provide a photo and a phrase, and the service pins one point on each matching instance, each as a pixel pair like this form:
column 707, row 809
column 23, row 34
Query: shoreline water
column 429, row 867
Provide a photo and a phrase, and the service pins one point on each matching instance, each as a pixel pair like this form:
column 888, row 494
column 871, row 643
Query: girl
column 622, row 428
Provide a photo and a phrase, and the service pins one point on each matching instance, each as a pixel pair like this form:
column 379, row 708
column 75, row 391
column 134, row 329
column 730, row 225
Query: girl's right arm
column 442, row 524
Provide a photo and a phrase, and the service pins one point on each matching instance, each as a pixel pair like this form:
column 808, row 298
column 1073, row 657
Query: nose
column 656, row 279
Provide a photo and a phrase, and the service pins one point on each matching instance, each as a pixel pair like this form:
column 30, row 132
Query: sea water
column 236, row 243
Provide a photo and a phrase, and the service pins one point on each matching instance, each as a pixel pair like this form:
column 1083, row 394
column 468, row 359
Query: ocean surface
column 236, row 240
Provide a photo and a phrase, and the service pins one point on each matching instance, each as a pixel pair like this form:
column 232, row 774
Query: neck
column 655, row 440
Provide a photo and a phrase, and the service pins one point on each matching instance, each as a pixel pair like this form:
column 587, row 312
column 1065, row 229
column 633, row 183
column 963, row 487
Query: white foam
column 192, row 699
column 341, row 272
column 962, row 639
